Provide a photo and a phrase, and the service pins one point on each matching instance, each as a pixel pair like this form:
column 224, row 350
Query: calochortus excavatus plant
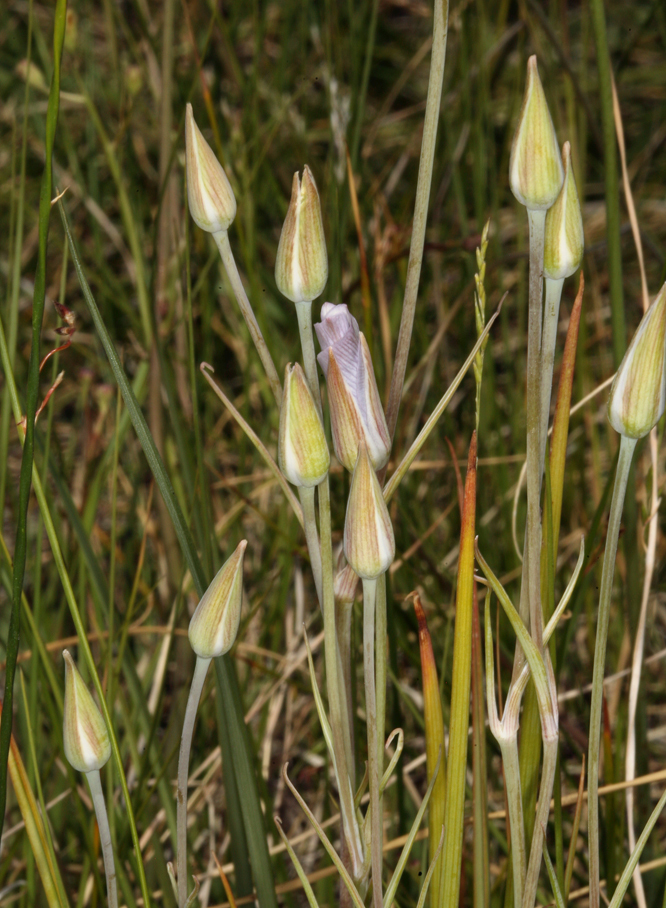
column 336, row 435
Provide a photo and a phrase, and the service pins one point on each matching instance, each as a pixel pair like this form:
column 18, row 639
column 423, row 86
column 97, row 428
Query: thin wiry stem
column 95, row 783
column 437, row 61
column 548, row 339
column 307, row 497
column 627, row 446
column 514, row 802
column 200, row 671
column 222, row 241
column 369, row 602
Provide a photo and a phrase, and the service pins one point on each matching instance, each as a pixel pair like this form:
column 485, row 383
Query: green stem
column 533, row 469
column 307, row 497
column 99, row 804
column 200, row 672
column 337, row 702
column 381, row 632
column 436, row 78
column 369, row 602
column 222, row 241
column 550, row 742
column 627, row 446
column 304, row 313
column 549, row 337
column 514, row 800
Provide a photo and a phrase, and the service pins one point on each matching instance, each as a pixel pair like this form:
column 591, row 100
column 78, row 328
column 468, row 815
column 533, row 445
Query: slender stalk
column 222, row 241
column 548, row 338
column 533, row 541
column 436, row 78
column 304, row 314
column 627, row 446
column 550, row 747
column 381, row 631
column 307, row 497
column 369, row 602
column 200, row 671
column 343, row 624
column 336, row 700
column 95, row 783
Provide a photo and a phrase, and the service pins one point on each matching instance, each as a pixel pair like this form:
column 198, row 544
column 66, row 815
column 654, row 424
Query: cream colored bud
column 209, row 192
column 214, row 624
column 84, row 732
column 302, row 449
column 356, row 410
column 301, row 266
column 638, row 393
column 368, row 541
column 535, row 168
column 345, row 582
column 564, row 241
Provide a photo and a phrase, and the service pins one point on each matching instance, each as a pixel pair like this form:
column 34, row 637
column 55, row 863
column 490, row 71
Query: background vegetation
column 275, row 86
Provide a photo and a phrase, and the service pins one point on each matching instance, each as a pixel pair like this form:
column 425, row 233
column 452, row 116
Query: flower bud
column 638, row 393
column 345, row 581
column 84, row 732
column 535, row 168
column 356, row 410
column 564, row 241
column 214, row 624
column 301, row 266
column 302, row 449
column 209, row 192
column 368, row 541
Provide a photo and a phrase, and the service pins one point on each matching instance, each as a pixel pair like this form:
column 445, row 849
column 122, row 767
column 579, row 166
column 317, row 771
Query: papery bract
column 214, row 625
column 302, row 450
column 638, row 393
column 535, row 168
column 209, row 193
column 369, row 542
column 301, row 265
column 356, row 410
column 84, row 734
column 564, row 241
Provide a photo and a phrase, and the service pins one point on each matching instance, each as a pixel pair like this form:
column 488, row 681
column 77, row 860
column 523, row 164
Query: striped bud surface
column 564, row 241
column 356, row 410
column 535, row 168
column 214, row 624
column 369, row 543
column 638, row 393
column 301, row 265
column 84, row 733
column 302, row 450
column 209, row 193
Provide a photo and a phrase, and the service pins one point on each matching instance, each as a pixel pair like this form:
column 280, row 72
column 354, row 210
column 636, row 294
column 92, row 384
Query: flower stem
column 222, row 242
column 369, row 603
column 533, row 542
column 304, row 314
column 307, row 497
column 548, row 339
column 627, row 446
column 200, row 670
column 514, row 800
column 95, row 783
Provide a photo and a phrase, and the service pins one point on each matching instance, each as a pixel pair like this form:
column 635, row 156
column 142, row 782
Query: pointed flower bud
column 301, row 266
column 564, row 241
column 345, row 582
column 84, row 733
column 638, row 393
column 368, row 541
column 535, row 168
column 356, row 410
column 302, row 449
column 214, row 624
column 209, row 192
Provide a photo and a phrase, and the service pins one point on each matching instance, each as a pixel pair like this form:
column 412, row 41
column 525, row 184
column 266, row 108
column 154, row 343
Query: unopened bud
column 564, row 240
column 214, row 624
column 368, row 540
column 638, row 393
column 345, row 582
column 356, row 410
column 535, row 168
column 302, row 449
column 209, row 193
column 301, row 266
column 84, row 733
